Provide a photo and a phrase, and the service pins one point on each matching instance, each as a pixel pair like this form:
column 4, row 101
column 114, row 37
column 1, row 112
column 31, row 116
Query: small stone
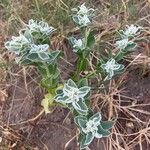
column 130, row 125
column 68, row 121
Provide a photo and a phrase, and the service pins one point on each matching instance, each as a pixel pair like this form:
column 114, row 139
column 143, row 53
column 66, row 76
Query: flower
column 92, row 127
column 125, row 45
column 111, row 67
column 39, row 48
column 41, row 51
column 73, row 96
column 78, row 44
column 131, row 31
column 122, row 44
column 83, row 10
column 84, row 20
column 17, row 44
column 83, row 15
column 40, row 27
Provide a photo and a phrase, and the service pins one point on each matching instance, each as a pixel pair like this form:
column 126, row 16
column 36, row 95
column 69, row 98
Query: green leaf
column 42, row 69
column 130, row 47
column 107, row 124
column 54, row 55
column 83, row 82
column 105, row 133
column 83, row 108
column 28, row 35
column 56, row 74
column 89, row 138
column 71, row 83
column 33, row 57
column 96, row 117
column 43, row 56
column 82, row 64
column 90, row 39
column 47, row 102
column 83, row 91
column 82, row 123
column 71, row 40
column 77, row 118
column 81, row 140
column 25, row 61
column 76, row 19
column 59, row 89
column 119, row 56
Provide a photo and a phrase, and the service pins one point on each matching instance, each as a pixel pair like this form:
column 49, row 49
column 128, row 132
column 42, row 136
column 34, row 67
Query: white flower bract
column 39, row 48
column 83, row 15
column 91, row 126
column 122, row 44
column 84, row 20
column 78, row 43
column 110, row 67
column 17, row 44
column 73, row 95
column 42, row 27
column 83, row 10
column 131, row 31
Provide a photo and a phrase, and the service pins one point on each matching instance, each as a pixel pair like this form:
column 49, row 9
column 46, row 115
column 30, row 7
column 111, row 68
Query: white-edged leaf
column 89, row 138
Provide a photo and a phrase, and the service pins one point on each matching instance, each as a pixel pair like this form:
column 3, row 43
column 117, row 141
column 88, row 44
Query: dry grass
column 132, row 130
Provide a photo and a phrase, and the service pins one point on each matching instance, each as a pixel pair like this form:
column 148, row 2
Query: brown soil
column 137, row 92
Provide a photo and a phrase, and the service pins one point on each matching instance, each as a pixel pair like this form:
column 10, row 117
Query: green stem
column 119, row 55
column 47, row 70
column 82, row 64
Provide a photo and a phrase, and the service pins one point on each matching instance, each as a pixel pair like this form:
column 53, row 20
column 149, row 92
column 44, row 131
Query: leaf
column 83, row 91
column 59, row 89
column 130, row 47
column 42, row 69
column 107, row 124
column 105, row 133
column 24, row 61
column 28, row 35
column 82, row 123
column 110, row 54
column 71, row 83
column 82, row 109
column 54, row 55
column 82, row 64
column 90, row 39
column 83, row 82
column 96, row 117
column 56, row 74
column 81, row 141
column 71, row 40
column 119, row 56
column 43, row 56
column 89, row 138
column 33, row 57
column 78, row 118
column 76, row 19
column 47, row 102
